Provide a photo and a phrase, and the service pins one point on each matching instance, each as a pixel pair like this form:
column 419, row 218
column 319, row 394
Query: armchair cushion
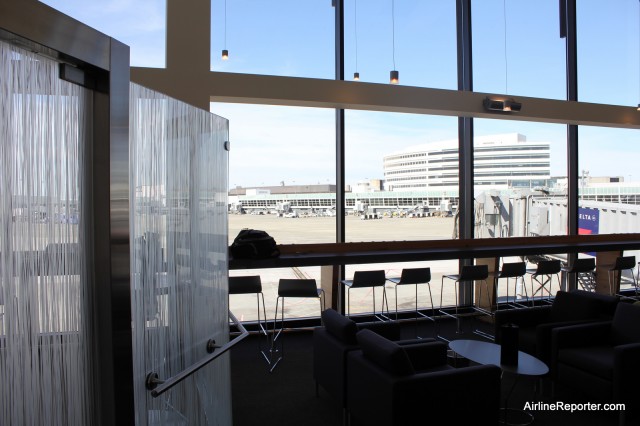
column 427, row 355
column 597, row 359
column 572, row 307
column 625, row 324
column 384, row 353
column 387, row 329
column 469, row 395
column 339, row 326
column 608, row 303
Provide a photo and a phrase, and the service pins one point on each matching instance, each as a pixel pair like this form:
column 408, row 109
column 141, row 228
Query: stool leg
column 385, row 301
column 435, row 324
column 264, row 330
column 275, row 337
column 396, row 288
column 525, row 289
column 458, row 325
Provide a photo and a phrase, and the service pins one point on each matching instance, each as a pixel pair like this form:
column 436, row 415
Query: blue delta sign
column 588, row 222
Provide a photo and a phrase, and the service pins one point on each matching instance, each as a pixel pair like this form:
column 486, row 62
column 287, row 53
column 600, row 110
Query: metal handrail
column 158, row 386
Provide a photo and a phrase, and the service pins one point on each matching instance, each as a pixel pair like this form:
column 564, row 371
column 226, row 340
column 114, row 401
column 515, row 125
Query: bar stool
column 364, row 279
column 623, row 263
column 414, row 276
column 251, row 284
column 543, row 275
column 298, row 287
column 515, row 270
column 469, row 273
column 585, row 271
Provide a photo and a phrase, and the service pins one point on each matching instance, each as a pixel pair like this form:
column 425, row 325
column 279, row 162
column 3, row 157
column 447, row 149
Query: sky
column 516, row 46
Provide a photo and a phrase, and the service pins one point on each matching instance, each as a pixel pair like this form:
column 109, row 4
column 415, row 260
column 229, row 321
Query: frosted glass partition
column 45, row 327
column 179, row 257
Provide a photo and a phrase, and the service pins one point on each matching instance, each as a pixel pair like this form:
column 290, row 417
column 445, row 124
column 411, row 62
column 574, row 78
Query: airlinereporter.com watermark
column 562, row 406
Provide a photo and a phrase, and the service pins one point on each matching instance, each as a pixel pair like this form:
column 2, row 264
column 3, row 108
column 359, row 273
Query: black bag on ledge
column 254, row 244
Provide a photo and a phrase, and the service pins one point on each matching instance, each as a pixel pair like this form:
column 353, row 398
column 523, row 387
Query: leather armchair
column 568, row 308
column 600, row 359
column 331, row 344
column 391, row 384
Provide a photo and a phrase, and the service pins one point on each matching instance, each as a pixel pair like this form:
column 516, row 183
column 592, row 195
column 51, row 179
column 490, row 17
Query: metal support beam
column 340, row 150
column 465, row 140
column 110, row 208
column 573, row 165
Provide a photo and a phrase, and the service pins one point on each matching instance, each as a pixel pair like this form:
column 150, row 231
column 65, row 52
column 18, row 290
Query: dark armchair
column 568, row 308
column 601, row 359
column 390, row 384
column 333, row 341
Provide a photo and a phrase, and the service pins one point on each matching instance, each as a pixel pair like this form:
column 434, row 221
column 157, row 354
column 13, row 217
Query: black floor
column 287, row 395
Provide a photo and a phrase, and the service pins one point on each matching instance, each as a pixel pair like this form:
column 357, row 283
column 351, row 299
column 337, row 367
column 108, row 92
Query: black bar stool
column 585, row 272
column 517, row 271
column 364, row 279
column 623, row 263
column 298, row 287
column 251, row 284
column 543, row 275
column 469, row 273
column 414, row 276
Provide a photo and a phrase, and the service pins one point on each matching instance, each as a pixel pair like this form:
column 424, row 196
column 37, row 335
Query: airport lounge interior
column 381, row 212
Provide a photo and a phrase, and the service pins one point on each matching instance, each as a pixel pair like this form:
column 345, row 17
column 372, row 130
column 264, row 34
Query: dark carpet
column 286, row 396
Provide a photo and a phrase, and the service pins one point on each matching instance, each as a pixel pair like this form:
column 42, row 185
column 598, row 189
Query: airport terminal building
column 500, row 162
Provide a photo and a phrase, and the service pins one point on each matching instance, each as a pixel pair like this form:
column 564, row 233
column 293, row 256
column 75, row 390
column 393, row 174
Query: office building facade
column 500, row 162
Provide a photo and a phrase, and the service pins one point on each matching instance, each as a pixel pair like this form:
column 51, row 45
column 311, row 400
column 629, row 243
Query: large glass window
column 520, row 176
column 284, row 37
column 520, row 190
column 608, row 52
column 391, row 159
column 609, row 185
column 517, row 49
column 140, row 24
column 416, row 38
column 282, row 180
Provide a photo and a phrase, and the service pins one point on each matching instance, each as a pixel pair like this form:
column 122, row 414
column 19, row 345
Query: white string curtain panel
column 179, row 257
column 45, row 323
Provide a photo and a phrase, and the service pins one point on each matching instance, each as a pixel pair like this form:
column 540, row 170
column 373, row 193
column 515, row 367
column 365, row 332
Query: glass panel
column 608, row 52
column 282, row 174
column 515, row 43
column 285, row 37
column 423, row 33
column 140, row 24
column 388, row 171
column 390, row 159
column 179, row 264
column 45, row 327
column 609, row 184
column 520, row 175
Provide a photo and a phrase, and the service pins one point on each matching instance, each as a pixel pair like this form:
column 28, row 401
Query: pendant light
column 356, row 75
column 225, row 52
column 394, row 76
